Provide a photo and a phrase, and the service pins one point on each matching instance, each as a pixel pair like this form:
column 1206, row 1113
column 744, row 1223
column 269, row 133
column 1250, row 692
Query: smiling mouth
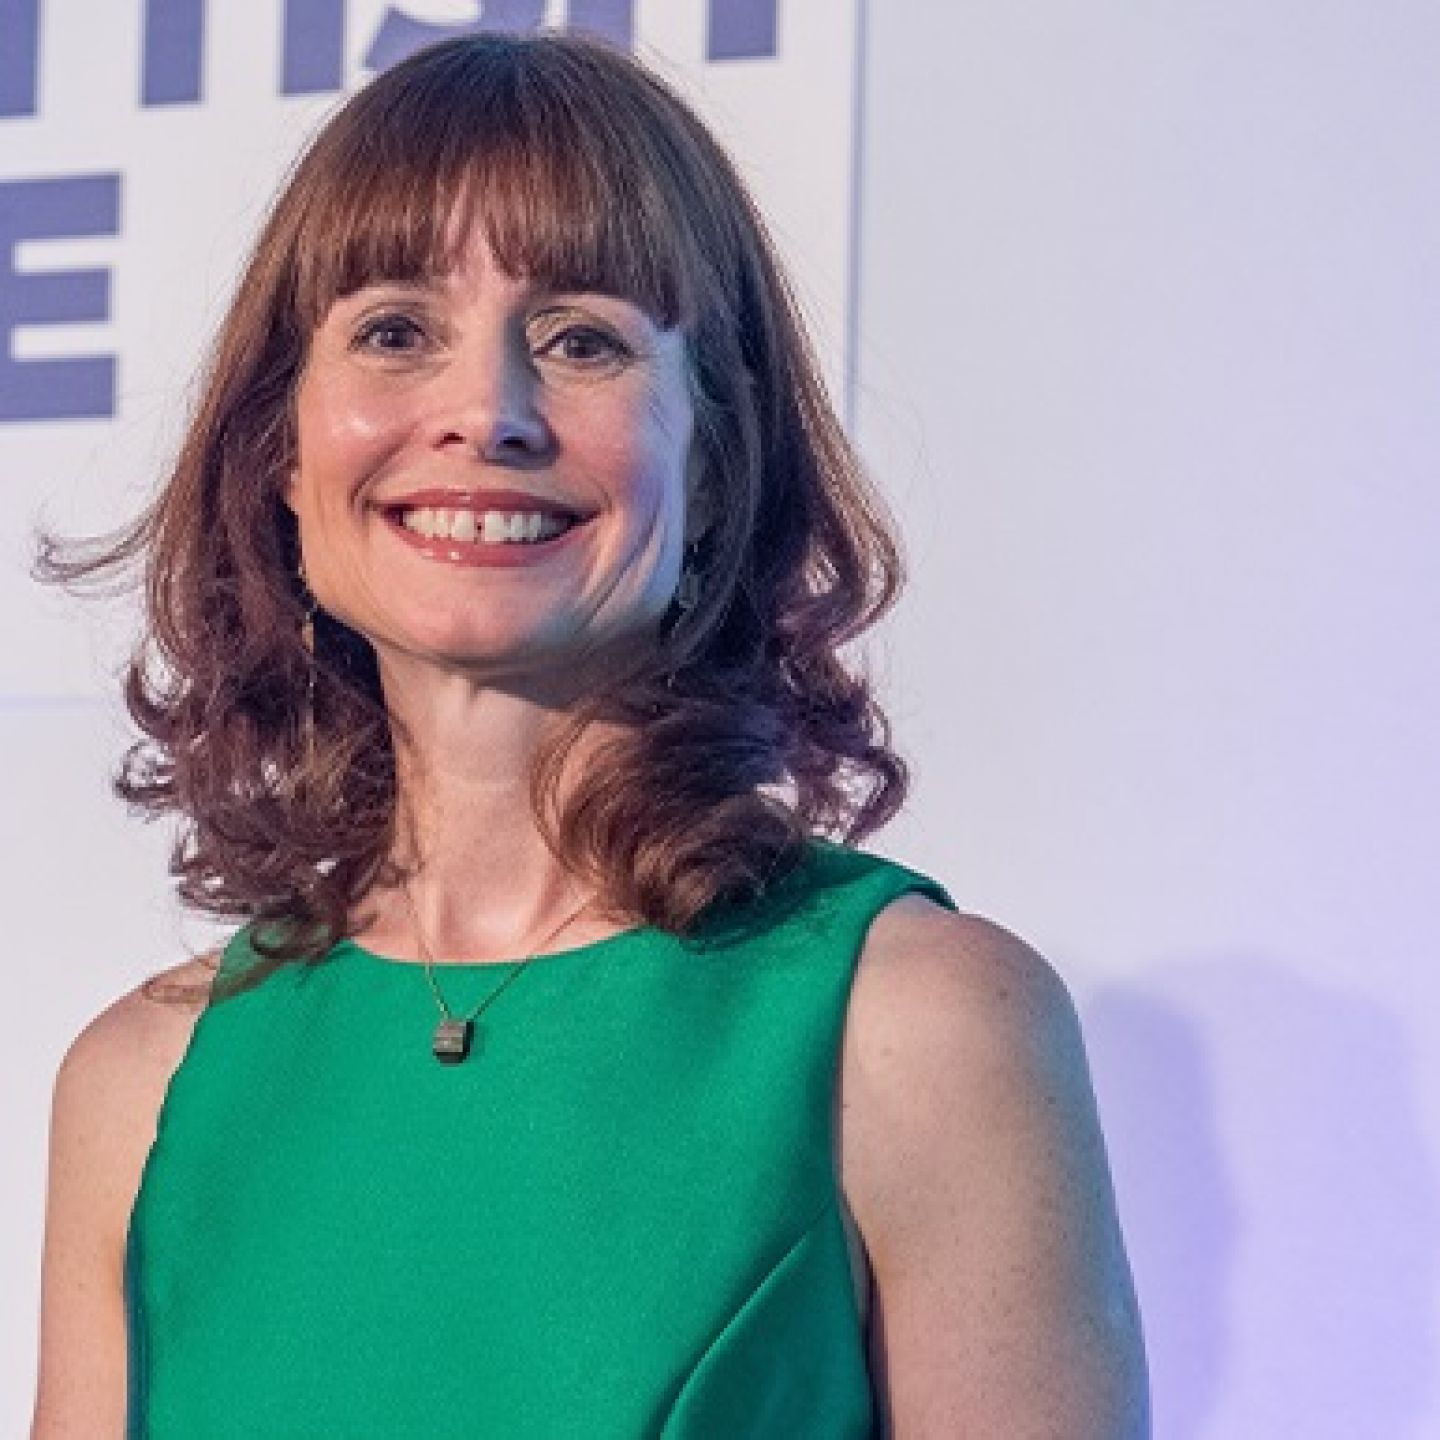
column 465, row 526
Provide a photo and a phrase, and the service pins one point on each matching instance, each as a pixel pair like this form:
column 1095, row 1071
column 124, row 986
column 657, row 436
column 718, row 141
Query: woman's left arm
column 975, row 1168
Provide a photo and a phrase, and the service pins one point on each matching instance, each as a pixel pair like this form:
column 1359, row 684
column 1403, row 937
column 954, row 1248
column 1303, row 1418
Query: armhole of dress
column 898, row 880
column 913, row 882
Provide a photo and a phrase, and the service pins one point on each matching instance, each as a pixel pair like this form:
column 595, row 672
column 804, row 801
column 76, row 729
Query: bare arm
column 1005, row 1307
column 106, row 1096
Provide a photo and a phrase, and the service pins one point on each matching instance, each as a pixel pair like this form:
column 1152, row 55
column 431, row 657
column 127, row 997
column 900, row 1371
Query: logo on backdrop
column 312, row 50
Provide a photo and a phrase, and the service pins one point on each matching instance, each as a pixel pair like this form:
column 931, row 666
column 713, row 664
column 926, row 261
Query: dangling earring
column 307, row 639
column 687, row 593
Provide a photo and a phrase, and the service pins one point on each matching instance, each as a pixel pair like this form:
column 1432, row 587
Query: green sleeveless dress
column 617, row 1218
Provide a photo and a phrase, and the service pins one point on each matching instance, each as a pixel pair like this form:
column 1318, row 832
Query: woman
column 493, row 614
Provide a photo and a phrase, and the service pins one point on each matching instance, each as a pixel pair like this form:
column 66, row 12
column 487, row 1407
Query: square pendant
column 452, row 1040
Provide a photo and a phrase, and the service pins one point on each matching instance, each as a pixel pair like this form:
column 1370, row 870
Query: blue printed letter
column 612, row 19
column 19, row 56
column 174, row 35
column 399, row 36
column 47, row 210
column 741, row 29
column 312, row 53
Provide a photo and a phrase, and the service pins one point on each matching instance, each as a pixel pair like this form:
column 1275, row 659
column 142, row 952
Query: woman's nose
column 488, row 408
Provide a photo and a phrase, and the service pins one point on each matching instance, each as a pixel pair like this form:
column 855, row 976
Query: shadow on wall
column 1279, row 1203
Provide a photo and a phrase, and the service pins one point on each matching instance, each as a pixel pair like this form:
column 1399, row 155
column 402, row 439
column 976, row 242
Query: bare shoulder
column 107, row 1095
column 133, row 1045
column 922, row 959
column 948, row 1012
column 112, row 1078
column 975, row 1167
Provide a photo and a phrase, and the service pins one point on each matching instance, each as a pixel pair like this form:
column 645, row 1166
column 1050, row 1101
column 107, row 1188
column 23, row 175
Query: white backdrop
column 1149, row 351
column 1146, row 353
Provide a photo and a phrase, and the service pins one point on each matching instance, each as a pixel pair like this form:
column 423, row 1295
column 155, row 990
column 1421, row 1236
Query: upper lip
column 455, row 498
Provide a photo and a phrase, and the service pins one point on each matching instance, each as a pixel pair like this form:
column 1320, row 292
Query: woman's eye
column 584, row 345
column 389, row 333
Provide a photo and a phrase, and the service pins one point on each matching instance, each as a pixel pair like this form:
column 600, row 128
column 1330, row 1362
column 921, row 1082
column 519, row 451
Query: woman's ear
column 287, row 492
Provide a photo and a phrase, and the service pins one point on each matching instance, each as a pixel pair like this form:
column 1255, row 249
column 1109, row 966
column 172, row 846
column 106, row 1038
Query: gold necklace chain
column 451, row 1042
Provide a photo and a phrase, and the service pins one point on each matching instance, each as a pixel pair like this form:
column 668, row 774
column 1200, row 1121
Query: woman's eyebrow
column 429, row 282
column 423, row 284
column 560, row 293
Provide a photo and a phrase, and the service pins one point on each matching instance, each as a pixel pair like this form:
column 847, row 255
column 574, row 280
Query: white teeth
column 493, row 527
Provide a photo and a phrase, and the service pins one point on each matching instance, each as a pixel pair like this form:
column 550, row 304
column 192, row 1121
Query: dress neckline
column 622, row 939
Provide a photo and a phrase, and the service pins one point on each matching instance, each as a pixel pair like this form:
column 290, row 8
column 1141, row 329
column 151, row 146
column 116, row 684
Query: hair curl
column 740, row 739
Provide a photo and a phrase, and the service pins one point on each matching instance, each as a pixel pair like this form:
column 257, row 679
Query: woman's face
column 457, row 406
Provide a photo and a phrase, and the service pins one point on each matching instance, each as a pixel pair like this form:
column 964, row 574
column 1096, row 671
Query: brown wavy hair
column 742, row 736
